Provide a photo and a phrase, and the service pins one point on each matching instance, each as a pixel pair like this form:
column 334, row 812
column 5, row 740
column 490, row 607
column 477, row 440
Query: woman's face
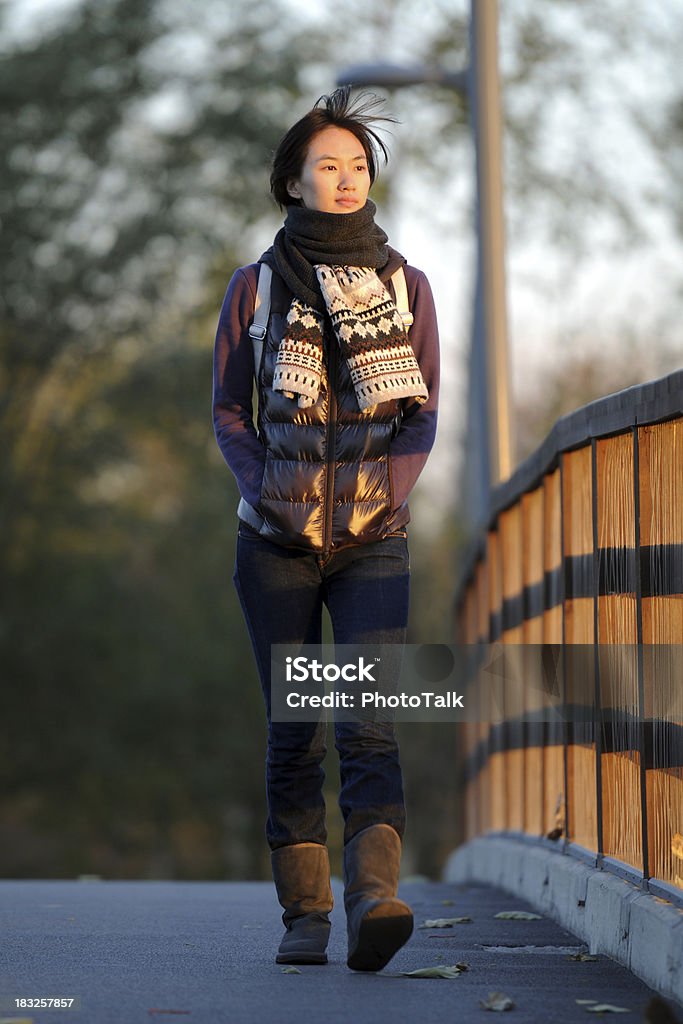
column 334, row 177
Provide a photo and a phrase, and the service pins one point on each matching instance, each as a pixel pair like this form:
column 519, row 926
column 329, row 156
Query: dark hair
column 336, row 110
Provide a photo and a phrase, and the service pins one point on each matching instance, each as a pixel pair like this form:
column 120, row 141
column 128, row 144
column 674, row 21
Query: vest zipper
column 330, row 448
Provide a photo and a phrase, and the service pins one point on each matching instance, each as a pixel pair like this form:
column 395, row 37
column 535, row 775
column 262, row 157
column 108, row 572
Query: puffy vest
column 327, row 479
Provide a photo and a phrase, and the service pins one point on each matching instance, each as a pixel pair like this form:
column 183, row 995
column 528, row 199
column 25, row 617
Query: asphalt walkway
column 131, row 952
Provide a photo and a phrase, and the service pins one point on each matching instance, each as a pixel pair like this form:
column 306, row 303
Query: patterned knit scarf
column 313, row 253
column 371, row 336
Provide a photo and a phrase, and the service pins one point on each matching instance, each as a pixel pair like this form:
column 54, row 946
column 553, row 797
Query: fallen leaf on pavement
column 290, row 970
column 582, row 957
column 497, row 1001
column 518, row 915
column 446, row 922
column 606, row 1008
column 434, row 972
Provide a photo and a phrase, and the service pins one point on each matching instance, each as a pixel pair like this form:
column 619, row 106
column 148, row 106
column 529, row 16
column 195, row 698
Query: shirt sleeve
column 233, row 381
column 410, row 448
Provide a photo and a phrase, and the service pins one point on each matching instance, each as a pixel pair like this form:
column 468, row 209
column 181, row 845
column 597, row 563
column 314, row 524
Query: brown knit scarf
column 370, row 333
column 313, row 253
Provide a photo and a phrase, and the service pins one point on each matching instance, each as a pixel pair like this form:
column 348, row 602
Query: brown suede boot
column 378, row 923
column 302, row 878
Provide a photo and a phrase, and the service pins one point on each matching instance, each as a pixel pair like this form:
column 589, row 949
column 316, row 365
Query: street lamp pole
column 489, row 392
column 486, row 122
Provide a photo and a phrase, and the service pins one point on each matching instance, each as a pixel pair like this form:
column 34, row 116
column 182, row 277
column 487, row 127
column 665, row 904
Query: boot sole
column 301, row 958
column 382, row 932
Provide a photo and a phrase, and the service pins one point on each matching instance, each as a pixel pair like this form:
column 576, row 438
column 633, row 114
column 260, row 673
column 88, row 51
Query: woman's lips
column 347, row 202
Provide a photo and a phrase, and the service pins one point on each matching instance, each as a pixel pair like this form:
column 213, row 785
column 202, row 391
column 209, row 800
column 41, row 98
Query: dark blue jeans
column 282, row 592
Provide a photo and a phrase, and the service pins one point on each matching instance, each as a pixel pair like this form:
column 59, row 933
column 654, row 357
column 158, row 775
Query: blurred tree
column 134, row 151
column 575, row 82
column 591, row 97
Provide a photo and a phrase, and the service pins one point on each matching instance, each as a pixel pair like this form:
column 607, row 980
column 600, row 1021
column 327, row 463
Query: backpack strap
column 398, row 279
column 259, row 325
column 257, row 332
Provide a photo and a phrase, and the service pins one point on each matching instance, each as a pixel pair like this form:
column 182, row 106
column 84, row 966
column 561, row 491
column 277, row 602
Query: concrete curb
column 609, row 914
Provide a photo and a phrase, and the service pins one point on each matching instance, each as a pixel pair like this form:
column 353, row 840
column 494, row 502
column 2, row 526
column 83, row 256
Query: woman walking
column 347, row 401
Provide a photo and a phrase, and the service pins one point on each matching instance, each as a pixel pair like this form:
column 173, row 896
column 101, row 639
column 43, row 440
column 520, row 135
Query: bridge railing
column 584, row 556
